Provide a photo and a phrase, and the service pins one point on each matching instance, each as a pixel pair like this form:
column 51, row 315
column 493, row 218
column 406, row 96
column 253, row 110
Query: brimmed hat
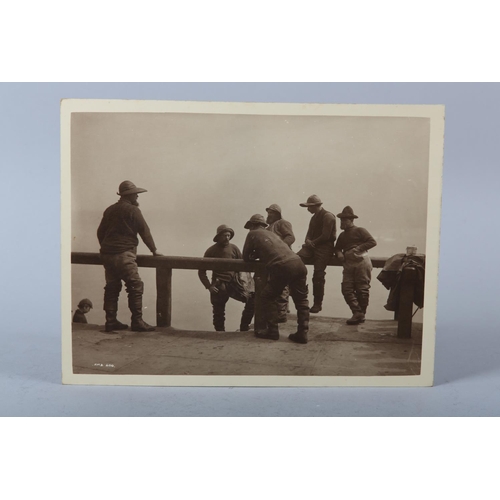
column 85, row 302
column 127, row 187
column 223, row 228
column 274, row 207
column 347, row 213
column 256, row 219
column 312, row 200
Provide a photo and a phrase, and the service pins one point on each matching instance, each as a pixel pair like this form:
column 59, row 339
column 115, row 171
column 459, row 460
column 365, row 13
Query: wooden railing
column 165, row 264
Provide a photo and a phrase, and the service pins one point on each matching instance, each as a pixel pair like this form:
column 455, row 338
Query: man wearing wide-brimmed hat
column 117, row 234
column 352, row 249
column 285, row 268
column 283, row 229
column 318, row 246
column 228, row 284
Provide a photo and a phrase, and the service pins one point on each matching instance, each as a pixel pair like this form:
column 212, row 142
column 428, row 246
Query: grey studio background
column 467, row 373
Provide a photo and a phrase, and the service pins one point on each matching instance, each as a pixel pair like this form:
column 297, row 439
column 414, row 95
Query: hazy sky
column 203, row 170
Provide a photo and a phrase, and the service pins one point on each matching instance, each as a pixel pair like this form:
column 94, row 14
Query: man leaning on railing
column 117, row 236
column 285, row 267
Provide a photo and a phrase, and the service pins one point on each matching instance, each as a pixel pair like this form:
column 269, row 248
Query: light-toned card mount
column 205, row 165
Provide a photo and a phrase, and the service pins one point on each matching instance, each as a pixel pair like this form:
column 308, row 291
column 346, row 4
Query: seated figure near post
column 227, row 284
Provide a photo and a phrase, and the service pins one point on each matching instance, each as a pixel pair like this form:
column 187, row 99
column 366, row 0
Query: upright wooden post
column 260, row 279
column 163, row 296
column 405, row 310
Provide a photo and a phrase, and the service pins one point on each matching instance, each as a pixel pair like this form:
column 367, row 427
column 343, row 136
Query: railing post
column 405, row 309
column 163, row 296
column 260, row 279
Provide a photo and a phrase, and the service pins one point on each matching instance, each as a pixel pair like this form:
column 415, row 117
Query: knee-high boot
column 300, row 336
column 363, row 302
column 135, row 289
column 111, row 294
column 351, row 298
column 318, row 281
column 247, row 314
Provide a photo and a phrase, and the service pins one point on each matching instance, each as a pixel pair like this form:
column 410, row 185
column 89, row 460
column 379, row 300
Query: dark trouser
column 219, row 300
column 356, row 278
column 294, row 274
column 321, row 256
column 282, row 302
column 117, row 268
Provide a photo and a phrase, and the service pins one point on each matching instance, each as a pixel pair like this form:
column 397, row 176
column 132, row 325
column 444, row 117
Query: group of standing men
column 269, row 241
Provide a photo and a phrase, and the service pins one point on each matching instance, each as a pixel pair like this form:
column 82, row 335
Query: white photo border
column 433, row 112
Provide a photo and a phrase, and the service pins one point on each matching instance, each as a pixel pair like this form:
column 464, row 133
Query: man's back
column 121, row 222
column 267, row 247
column 283, row 229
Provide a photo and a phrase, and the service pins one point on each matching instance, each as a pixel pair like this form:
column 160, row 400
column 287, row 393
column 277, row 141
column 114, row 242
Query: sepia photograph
column 249, row 244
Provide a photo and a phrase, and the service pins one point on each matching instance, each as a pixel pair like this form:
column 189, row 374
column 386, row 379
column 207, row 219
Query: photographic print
column 249, row 244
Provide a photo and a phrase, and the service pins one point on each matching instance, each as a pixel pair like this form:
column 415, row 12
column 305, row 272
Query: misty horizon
column 203, row 170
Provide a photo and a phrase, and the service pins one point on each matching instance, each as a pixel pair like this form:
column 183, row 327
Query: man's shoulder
column 365, row 232
column 283, row 222
column 133, row 209
column 266, row 236
column 110, row 208
column 260, row 233
column 210, row 251
column 122, row 207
